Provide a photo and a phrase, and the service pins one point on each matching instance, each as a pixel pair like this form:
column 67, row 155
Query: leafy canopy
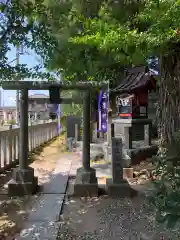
column 18, row 28
column 89, row 39
column 93, row 39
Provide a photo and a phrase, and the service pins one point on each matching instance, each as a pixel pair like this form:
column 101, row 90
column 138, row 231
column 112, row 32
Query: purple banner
column 54, row 108
column 102, row 111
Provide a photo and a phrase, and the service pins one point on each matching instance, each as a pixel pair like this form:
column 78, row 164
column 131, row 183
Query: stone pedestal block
column 23, row 175
column 23, row 182
column 121, row 190
column 86, row 184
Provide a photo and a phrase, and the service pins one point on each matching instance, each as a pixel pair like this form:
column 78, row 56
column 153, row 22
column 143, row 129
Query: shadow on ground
column 104, row 218
column 14, row 211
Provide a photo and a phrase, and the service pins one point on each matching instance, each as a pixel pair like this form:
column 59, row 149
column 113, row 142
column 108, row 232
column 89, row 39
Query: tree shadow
column 107, row 218
column 14, row 211
column 44, row 219
column 33, row 215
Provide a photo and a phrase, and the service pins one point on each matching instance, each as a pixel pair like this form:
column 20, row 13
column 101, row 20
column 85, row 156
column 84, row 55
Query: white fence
column 9, row 142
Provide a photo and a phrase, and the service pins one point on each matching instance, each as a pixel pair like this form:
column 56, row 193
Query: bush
column 12, row 122
column 165, row 197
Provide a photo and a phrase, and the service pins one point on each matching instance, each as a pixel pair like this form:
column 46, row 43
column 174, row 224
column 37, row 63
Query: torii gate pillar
column 24, row 182
column 86, row 182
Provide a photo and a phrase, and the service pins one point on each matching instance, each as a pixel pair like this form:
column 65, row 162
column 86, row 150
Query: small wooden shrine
column 132, row 93
column 131, row 123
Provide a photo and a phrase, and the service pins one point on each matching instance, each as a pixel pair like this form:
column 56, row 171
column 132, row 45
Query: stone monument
column 117, row 186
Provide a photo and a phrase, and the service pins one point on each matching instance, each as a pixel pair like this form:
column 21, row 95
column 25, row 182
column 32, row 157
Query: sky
column 8, row 97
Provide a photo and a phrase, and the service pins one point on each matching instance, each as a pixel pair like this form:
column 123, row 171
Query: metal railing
column 9, row 142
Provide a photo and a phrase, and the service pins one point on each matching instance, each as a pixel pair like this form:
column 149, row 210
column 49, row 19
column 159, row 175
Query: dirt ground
column 97, row 218
column 13, row 211
column 104, row 218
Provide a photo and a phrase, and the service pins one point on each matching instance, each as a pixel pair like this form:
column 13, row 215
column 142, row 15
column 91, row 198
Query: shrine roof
column 136, row 78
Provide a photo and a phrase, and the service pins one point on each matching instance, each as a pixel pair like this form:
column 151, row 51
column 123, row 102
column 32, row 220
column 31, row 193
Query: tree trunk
column 169, row 102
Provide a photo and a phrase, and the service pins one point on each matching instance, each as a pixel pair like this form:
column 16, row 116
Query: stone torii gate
column 24, row 182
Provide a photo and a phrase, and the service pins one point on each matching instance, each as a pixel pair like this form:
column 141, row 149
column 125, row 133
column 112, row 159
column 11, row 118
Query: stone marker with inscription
column 117, row 170
column 117, row 186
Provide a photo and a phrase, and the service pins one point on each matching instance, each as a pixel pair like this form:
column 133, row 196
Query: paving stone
column 56, row 185
column 39, row 231
column 47, row 208
column 63, row 164
column 59, row 179
column 43, row 220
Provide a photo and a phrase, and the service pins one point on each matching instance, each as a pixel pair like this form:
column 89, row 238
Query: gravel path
column 110, row 219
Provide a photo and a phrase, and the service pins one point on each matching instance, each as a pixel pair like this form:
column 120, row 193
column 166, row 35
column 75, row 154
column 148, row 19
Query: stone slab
column 23, row 175
column 22, row 189
column 85, row 190
column 57, row 183
column 86, row 184
column 47, row 208
column 122, row 189
column 39, row 231
column 86, row 176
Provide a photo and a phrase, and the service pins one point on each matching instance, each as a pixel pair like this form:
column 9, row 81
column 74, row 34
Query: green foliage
column 89, row 41
column 18, row 26
column 12, row 122
column 165, row 198
column 71, row 109
column 84, row 40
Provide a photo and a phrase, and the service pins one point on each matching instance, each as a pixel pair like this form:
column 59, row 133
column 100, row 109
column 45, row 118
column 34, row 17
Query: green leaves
column 165, row 197
column 79, row 36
